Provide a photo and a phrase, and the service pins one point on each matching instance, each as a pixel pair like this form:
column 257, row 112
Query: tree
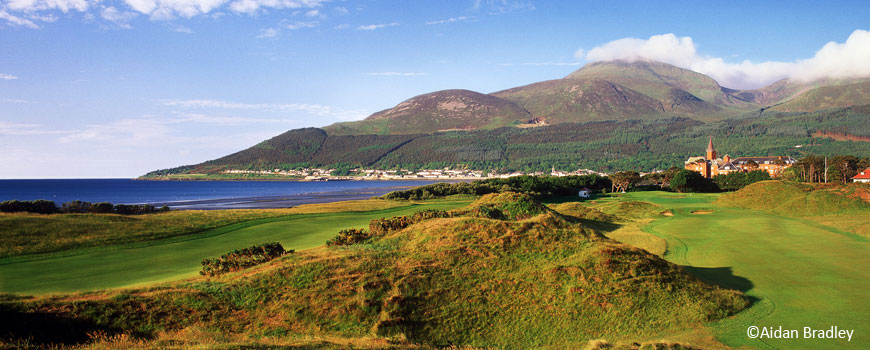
column 691, row 181
column 622, row 180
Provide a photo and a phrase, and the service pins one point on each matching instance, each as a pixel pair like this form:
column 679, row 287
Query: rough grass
column 540, row 281
column 179, row 257
column 24, row 233
column 844, row 207
column 797, row 199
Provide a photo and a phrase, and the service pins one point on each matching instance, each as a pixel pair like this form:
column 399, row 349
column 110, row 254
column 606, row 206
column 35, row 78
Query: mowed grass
column 801, row 273
column 27, row 234
column 180, row 257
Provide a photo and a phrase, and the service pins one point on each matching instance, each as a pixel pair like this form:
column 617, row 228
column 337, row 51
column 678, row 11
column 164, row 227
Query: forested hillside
column 606, row 145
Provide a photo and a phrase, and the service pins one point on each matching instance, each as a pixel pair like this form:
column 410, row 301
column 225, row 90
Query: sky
column 117, row 88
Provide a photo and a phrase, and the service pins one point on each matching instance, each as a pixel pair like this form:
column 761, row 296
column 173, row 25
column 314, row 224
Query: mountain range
column 624, row 102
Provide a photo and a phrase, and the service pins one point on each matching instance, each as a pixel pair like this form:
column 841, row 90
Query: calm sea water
column 196, row 194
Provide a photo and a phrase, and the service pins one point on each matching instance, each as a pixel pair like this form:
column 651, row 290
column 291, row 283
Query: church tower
column 711, row 152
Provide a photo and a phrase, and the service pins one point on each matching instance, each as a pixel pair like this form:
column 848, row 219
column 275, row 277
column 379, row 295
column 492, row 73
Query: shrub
column 75, row 207
column 39, row 206
column 242, row 258
column 692, row 181
column 383, row 226
column 102, row 208
column 348, row 237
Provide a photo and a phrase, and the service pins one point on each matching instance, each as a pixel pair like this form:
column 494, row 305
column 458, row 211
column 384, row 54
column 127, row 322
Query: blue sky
column 117, row 88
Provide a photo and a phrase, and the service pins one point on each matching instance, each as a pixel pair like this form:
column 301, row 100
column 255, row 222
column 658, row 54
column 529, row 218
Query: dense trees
column 815, row 168
column 605, row 146
column 737, row 180
column 692, row 181
column 622, row 180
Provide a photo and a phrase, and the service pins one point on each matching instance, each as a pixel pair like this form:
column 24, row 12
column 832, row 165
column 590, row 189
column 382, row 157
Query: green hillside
column 657, row 80
column 438, row 111
column 800, row 200
column 574, row 100
column 826, row 97
column 606, row 145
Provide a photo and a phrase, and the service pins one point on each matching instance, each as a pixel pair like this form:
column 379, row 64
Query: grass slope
column 800, row 273
column 175, row 258
column 532, row 278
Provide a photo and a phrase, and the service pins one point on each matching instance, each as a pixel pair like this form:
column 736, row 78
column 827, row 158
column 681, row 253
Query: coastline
column 273, row 202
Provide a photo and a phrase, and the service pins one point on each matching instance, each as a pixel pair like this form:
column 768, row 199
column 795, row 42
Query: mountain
column 605, row 116
column 825, row 97
column 577, row 100
column 658, row 80
column 438, row 111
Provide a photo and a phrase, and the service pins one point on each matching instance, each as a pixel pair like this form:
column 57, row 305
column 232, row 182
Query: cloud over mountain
column 834, row 60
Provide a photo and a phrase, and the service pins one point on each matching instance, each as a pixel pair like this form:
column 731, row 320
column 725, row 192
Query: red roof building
column 863, row 176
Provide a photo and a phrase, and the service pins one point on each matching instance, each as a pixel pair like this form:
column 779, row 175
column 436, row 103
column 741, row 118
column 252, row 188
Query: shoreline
column 276, row 202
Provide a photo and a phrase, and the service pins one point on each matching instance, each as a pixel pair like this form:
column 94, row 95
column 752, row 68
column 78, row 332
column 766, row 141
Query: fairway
column 173, row 259
column 800, row 273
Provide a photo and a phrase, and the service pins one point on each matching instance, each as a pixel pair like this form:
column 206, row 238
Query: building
column 711, row 165
column 863, row 176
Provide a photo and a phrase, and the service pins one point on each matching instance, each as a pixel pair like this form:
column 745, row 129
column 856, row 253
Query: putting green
column 173, row 259
column 800, row 274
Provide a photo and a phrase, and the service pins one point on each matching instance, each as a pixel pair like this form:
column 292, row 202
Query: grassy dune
column 505, row 272
column 178, row 257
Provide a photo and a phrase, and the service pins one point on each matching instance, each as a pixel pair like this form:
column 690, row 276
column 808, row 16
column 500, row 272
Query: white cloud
column 268, row 33
column 453, row 20
column 252, row 6
column 377, row 26
column 227, row 121
column 26, row 129
column 342, row 26
column 7, row 77
column 300, row 25
column 17, row 21
column 498, row 7
column 314, row 13
column 833, row 60
column 40, row 5
column 394, row 74
column 120, row 18
column 541, row 64
column 315, row 109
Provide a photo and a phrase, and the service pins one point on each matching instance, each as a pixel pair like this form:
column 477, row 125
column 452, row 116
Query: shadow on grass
column 44, row 328
column 723, row 277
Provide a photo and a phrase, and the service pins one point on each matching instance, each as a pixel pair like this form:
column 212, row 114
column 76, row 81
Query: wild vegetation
column 41, row 206
column 531, row 277
column 240, row 259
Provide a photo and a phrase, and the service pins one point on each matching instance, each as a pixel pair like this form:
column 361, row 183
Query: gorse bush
column 41, row 206
column 537, row 186
column 348, row 237
column 385, row 225
column 242, row 258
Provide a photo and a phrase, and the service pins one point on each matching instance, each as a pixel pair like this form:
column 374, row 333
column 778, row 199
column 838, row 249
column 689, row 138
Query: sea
column 199, row 194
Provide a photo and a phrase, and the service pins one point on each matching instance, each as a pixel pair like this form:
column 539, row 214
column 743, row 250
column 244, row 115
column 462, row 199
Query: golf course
column 797, row 272
column 177, row 258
